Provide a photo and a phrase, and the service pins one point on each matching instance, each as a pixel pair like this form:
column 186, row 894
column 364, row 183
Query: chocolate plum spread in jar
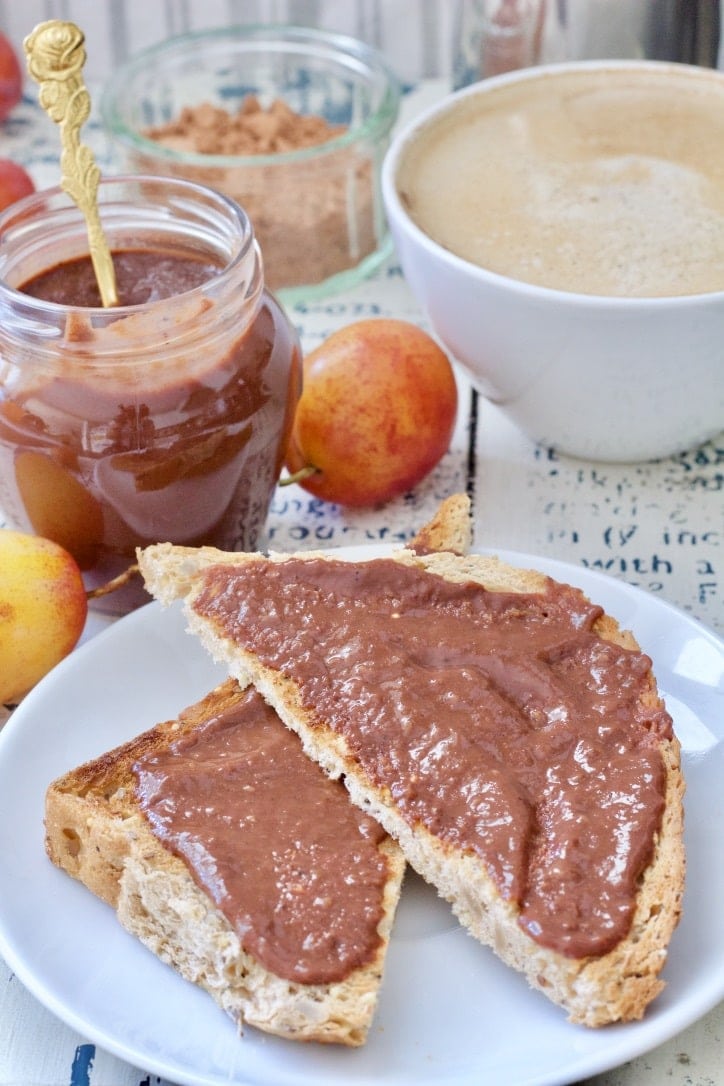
column 164, row 418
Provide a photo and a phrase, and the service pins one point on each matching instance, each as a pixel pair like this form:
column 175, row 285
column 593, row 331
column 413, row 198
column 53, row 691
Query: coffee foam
column 601, row 181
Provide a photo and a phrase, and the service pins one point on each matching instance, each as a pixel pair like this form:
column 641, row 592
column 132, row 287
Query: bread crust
column 595, row 991
column 96, row 832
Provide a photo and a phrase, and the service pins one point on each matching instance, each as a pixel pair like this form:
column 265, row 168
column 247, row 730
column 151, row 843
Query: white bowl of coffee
column 563, row 227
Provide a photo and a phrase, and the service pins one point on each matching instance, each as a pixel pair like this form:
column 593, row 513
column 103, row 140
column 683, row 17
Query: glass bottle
column 496, row 36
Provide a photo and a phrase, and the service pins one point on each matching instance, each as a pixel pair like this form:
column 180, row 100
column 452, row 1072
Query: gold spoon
column 56, row 55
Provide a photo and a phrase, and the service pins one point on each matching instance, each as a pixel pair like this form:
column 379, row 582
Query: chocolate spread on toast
column 291, row 864
column 500, row 721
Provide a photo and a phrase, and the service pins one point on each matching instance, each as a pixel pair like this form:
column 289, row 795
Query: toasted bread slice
column 598, row 980
column 97, row 832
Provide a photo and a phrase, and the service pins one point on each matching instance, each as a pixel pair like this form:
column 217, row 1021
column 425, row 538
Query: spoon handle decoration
column 55, row 54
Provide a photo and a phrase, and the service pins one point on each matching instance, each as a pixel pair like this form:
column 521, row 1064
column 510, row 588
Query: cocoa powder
column 312, row 218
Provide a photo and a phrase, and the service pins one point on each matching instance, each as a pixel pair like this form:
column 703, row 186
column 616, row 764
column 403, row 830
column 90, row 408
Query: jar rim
column 179, row 192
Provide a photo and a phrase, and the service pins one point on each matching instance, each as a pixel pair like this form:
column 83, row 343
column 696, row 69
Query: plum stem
column 112, row 585
column 297, row 476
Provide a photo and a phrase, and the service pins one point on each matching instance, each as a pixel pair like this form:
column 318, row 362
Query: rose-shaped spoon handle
column 55, row 54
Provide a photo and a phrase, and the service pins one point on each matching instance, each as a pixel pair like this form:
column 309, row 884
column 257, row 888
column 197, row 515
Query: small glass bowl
column 316, row 211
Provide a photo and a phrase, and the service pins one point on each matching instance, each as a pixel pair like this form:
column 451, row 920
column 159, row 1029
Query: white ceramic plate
column 449, row 1011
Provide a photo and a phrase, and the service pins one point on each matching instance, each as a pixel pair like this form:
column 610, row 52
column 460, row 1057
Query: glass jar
column 165, row 419
column 316, row 207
